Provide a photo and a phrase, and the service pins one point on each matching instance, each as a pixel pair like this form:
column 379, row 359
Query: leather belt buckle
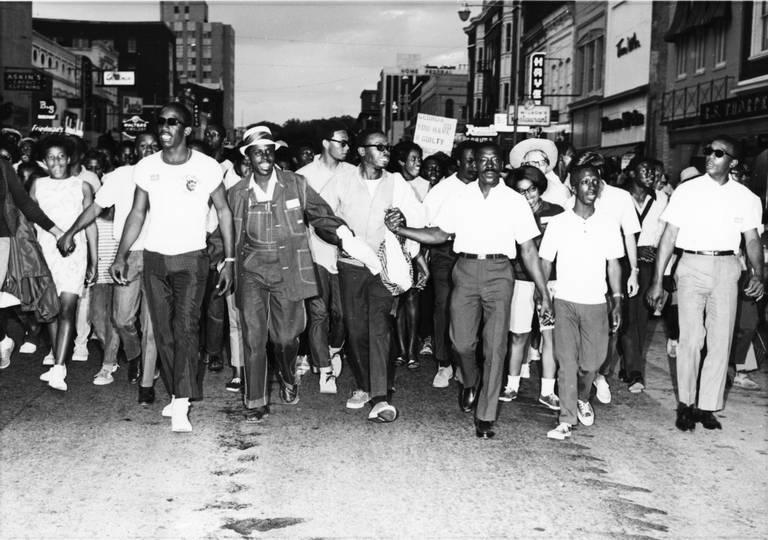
column 481, row 256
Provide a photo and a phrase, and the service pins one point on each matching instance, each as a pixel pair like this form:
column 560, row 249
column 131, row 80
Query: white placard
column 119, row 78
column 434, row 133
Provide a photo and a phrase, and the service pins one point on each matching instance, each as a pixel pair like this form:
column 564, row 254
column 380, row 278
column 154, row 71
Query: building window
column 508, row 42
column 478, row 107
column 506, row 95
column 179, row 51
column 719, row 45
column 34, row 55
column 207, row 61
column 131, row 45
column 681, row 57
column 191, row 74
column 759, row 29
column 186, row 9
column 448, row 108
column 592, row 59
column 699, row 48
column 479, row 59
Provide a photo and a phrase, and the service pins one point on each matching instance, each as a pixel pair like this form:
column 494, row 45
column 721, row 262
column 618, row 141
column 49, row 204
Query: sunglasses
column 172, row 122
column 379, row 147
column 343, row 144
column 708, row 151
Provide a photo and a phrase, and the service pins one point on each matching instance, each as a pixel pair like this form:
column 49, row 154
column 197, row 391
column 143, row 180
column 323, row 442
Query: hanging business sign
column 132, row 105
column 119, row 78
column 24, row 80
column 530, row 115
column 46, row 109
column 536, row 77
column 135, row 125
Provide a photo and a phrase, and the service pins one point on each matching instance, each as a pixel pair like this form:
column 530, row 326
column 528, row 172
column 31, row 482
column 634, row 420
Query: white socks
column 547, row 386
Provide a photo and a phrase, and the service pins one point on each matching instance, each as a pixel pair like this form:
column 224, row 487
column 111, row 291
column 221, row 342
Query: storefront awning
column 691, row 15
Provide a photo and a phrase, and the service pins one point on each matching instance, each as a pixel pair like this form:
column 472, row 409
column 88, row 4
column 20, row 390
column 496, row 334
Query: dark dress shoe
column 467, row 398
column 256, row 415
column 146, row 395
column 215, row 364
column 289, row 393
column 685, row 420
column 134, row 370
column 484, row 429
column 707, row 419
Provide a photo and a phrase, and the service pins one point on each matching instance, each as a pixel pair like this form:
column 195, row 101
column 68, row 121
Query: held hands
column 755, row 288
column 66, row 244
column 394, row 219
column 655, row 296
column 616, row 313
column 546, row 312
column 118, row 271
column 421, row 279
column 91, row 274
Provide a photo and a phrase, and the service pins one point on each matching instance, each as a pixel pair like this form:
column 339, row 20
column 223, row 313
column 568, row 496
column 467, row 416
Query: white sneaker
column 327, row 381
column 6, row 350
column 336, row 364
column 525, row 371
column 302, row 365
column 585, row 413
column 382, row 412
column 49, row 360
column 603, row 390
column 168, row 409
column 533, row 354
column 56, row 378
column 104, row 376
column 45, row 377
column 358, row 400
column 742, row 380
column 80, row 355
column 180, row 416
column 442, row 377
column 426, row 347
column 561, row 432
column 28, row 348
column 672, row 348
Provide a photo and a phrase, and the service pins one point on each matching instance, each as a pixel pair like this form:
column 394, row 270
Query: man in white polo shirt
column 706, row 218
column 583, row 241
column 173, row 188
column 118, row 191
column 487, row 220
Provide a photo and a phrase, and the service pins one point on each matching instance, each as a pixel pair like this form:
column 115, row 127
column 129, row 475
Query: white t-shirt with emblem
column 178, row 201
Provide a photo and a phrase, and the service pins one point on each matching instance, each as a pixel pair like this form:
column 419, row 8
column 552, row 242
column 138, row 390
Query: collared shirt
column 710, row 216
column 260, row 194
column 617, row 205
column 90, row 178
column 488, row 225
column 650, row 226
column 420, row 187
column 178, row 201
column 557, row 192
column 582, row 247
column 117, row 190
column 442, row 192
column 318, row 174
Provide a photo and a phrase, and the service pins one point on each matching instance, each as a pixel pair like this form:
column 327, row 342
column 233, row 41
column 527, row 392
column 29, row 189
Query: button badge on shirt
column 154, row 177
column 191, row 183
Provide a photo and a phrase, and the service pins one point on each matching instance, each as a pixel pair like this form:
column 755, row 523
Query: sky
column 308, row 59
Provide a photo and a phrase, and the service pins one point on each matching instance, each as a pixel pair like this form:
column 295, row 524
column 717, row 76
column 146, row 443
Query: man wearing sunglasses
column 326, row 327
column 173, row 188
column 361, row 197
column 706, row 218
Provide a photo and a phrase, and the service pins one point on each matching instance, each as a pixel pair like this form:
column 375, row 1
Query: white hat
column 519, row 151
column 257, row 136
column 688, row 173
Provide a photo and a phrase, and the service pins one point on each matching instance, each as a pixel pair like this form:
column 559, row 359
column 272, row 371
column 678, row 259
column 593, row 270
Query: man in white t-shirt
column 706, row 218
column 173, row 188
column 326, row 325
column 117, row 191
column 583, row 240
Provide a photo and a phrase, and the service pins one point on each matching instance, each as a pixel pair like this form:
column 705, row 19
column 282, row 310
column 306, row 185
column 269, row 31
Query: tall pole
column 516, row 70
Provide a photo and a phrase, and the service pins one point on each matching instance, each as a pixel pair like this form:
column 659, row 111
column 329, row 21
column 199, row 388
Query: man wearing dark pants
column 706, row 218
column 173, row 188
column 583, row 241
column 486, row 220
column 361, row 197
column 442, row 257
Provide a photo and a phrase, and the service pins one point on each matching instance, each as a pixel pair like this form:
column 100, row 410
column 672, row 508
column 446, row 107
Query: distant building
column 145, row 49
column 440, row 95
column 369, row 110
column 15, row 53
column 205, row 53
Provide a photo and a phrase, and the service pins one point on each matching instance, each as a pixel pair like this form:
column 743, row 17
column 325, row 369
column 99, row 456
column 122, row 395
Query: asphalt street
column 91, row 463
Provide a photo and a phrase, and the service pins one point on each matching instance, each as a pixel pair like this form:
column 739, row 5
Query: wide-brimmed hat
column 688, row 173
column 257, row 136
column 547, row 146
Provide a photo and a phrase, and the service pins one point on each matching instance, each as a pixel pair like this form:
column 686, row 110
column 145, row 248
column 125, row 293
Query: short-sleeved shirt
column 488, row 225
column 648, row 214
column 442, row 192
column 420, row 187
column 117, row 190
column 90, row 178
column 617, row 205
column 582, row 247
column 178, row 201
column 543, row 216
column 710, row 216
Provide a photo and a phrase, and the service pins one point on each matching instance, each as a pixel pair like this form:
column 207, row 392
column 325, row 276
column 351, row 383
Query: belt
column 711, row 253
column 483, row 256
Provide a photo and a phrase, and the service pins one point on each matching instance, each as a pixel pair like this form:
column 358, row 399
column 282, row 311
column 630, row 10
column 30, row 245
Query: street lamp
column 464, row 12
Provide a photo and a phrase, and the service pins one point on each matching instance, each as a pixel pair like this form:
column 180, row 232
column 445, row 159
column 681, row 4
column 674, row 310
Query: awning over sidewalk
column 691, row 15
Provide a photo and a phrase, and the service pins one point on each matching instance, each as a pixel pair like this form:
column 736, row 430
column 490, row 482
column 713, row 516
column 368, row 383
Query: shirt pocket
column 295, row 217
column 258, row 226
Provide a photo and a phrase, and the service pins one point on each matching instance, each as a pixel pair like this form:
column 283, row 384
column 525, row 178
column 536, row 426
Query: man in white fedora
column 542, row 154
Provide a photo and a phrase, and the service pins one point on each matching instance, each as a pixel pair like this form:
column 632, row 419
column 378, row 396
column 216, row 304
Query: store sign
column 530, row 115
column 735, row 108
column 434, row 133
column 23, row 80
column 536, row 78
column 132, row 105
column 627, row 45
column 135, row 125
column 46, row 109
column 119, row 78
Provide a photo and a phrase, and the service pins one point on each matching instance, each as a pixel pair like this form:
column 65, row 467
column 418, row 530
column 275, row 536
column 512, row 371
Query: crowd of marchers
column 180, row 255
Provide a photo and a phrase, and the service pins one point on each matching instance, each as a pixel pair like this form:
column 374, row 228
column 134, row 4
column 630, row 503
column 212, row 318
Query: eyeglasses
column 708, row 151
column 537, row 163
column 343, row 144
column 380, row 147
column 172, row 122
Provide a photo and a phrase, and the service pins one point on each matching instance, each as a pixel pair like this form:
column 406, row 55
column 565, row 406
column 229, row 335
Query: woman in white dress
column 62, row 197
